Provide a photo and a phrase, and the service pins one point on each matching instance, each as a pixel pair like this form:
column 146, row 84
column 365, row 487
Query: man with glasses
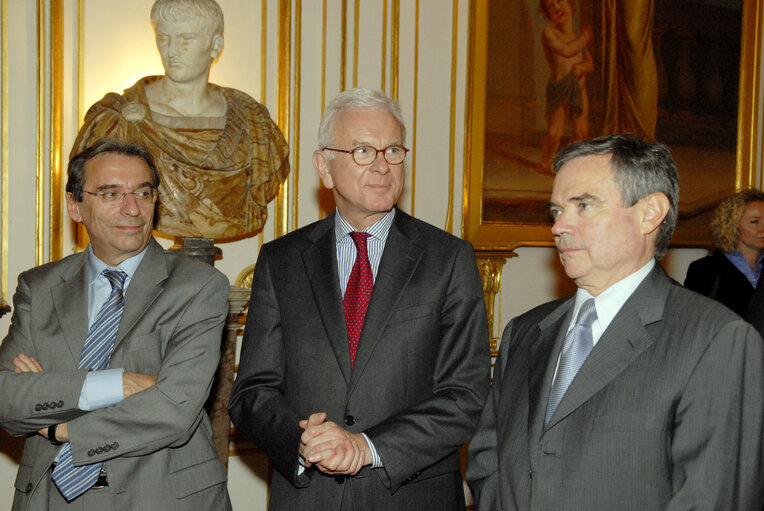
column 365, row 358
column 110, row 356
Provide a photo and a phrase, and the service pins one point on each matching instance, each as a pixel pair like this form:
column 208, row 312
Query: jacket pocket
column 198, row 477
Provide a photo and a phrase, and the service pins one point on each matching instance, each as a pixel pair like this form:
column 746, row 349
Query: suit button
column 115, row 446
column 60, row 404
column 28, row 488
column 91, row 452
column 99, row 450
column 45, row 406
column 37, row 407
column 350, row 420
column 107, row 448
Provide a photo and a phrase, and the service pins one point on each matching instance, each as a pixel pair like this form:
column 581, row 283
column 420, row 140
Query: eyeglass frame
column 351, row 152
column 100, row 195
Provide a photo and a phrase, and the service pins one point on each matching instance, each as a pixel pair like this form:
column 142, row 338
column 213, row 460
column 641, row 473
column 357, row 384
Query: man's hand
column 62, row 432
column 25, row 364
column 331, row 448
column 132, row 383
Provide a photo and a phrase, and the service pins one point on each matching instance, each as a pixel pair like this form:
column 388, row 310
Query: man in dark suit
column 363, row 413
column 154, row 320
column 634, row 394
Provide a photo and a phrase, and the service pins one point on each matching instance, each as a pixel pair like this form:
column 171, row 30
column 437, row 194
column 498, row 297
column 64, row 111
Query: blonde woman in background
column 731, row 274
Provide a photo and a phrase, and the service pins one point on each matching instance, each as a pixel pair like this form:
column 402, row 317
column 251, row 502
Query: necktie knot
column 359, row 238
column 587, row 315
column 116, row 278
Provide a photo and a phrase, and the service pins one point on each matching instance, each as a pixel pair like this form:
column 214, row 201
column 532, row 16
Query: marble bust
column 220, row 156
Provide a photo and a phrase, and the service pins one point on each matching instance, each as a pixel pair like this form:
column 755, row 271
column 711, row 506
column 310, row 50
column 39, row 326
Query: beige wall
column 117, row 48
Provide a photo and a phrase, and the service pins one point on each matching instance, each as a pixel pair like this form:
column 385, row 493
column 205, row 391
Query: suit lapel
column 70, row 301
column 145, row 286
column 399, row 260
column 320, row 260
column 624, row 340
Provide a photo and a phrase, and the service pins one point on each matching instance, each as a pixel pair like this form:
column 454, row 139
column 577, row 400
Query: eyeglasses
column 366, row 155
column 142, row 196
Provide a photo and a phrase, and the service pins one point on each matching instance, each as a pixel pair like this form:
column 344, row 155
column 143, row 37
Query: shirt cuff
column 376, row 461
column 101, row 389
column 301, row 462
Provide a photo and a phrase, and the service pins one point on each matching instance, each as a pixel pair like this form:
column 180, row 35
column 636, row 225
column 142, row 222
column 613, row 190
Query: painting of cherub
column 567, row 99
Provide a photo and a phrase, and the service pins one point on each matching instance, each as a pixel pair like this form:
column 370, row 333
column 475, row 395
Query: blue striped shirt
column 375, row 244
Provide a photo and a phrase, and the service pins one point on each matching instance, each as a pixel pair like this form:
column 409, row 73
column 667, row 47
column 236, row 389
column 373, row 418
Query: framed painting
column 684, row 72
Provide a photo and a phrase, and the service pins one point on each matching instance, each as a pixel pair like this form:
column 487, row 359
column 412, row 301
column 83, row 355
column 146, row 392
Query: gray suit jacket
column 420, row 375
column 665, row 414
column 160, row 454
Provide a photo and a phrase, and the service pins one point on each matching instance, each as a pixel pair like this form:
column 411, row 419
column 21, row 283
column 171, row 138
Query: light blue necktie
column 576, row 347
column 73, row 481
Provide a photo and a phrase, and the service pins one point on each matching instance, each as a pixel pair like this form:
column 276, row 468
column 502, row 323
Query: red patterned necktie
column 357, row 292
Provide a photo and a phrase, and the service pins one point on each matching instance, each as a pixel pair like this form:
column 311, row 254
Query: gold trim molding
column 56, row 218
column 490, row 266
column 40, row 142
column 5, row 161
column 281, row 223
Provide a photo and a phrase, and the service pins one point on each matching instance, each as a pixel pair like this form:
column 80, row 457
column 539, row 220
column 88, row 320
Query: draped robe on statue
column 629, row 76
column 217, row 174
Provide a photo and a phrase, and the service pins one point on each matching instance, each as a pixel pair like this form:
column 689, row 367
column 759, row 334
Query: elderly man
column 111, row 354
column 220, row 156
column 365, row 355
column 634, row 394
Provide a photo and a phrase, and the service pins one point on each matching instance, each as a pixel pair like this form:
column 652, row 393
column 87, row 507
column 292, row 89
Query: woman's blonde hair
column 725, row 226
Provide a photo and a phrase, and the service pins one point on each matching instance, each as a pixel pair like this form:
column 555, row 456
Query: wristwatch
column 52, row 435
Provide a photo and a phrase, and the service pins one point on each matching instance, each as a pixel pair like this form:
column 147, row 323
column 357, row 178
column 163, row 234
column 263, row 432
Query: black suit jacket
column 666, row 413
column 716, row 277
column 421, row 372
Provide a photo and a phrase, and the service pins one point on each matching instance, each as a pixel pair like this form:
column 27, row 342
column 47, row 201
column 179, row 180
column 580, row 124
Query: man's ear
column 73, row 207
column 655, row 207
column 217, row 45
column 321, row 164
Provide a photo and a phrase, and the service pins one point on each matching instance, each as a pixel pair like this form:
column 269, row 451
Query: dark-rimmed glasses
column 366, row 154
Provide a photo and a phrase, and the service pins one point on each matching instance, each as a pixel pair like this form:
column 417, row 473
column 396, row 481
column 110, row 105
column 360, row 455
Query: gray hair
column 76, row 169
column 640, row 168
column 207, row 14
column 356, row 98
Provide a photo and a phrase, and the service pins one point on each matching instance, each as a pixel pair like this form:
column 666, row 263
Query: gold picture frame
column 491, row 235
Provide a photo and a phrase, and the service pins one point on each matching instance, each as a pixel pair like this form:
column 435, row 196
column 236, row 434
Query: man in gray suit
column 363, row 413
column 138, row 425
column 665, row 412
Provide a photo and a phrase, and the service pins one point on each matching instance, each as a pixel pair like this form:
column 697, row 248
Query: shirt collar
column 129, row 265
column 379, row 229
column 737, row 258
column 609, row 302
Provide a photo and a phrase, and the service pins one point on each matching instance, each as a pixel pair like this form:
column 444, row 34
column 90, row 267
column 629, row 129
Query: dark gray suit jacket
column 160, row 454
column 420, row 376
column 665, row 413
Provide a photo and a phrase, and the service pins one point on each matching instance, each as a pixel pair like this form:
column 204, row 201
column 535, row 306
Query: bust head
column 206, row 14
column 189, row 36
